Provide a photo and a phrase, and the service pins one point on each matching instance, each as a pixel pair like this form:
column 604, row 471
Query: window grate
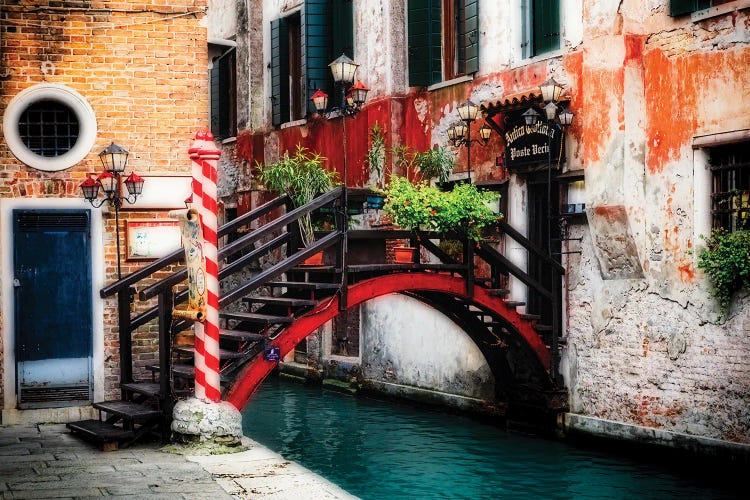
column 730, row 194
column 49, row 128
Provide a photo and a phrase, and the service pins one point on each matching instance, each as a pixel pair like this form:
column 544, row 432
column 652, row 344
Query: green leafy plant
column 464, row 209
column 437, row 162
column 302, row 177
column 376, row 156
column 726, row 261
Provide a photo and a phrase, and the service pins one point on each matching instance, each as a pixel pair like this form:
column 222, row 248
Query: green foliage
column 464, row 209
column 376, row 155
column 726, row 261
column 437, row 162
column 302, row 177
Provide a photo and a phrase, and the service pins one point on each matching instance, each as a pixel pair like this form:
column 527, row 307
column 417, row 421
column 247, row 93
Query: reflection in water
column 382, row 450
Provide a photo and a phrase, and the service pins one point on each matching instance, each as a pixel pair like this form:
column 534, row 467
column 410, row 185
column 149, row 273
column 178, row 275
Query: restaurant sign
column 532, row 144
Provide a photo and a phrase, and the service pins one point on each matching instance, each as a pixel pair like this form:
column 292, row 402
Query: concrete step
column 127, row 410
column 150, row 389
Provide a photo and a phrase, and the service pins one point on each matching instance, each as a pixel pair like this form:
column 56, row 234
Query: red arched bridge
column 283, row 302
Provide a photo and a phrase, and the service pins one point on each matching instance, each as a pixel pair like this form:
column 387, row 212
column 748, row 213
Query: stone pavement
column 45, row 461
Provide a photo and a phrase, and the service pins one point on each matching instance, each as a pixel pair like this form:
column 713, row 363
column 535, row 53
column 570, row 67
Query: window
column 303, row 44
column 49, row 127
column 681, row 7
column 224, row 95
column 541, row 27
column 443, row 40
column 730, row 192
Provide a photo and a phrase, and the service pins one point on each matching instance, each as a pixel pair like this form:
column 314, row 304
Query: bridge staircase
column 265, row 290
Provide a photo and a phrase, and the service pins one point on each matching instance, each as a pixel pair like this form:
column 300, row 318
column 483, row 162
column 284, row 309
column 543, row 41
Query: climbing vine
column 726, row 261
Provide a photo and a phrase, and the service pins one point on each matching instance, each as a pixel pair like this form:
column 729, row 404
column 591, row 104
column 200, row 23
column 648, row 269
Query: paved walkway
column 45, row 461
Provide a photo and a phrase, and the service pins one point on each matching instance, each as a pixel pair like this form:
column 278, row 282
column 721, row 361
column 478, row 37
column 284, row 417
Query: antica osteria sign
column 531, row 144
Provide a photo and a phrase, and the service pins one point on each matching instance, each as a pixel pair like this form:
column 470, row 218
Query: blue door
column 53, row 307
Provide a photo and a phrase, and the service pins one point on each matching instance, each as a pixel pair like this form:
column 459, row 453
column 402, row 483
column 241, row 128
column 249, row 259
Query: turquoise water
column 383, row 450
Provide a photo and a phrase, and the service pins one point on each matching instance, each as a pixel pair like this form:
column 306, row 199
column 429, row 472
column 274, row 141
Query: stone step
column 498, row 292
column 531, row 317
column 150, row 389
column 178, row 369
column 514, row 303
column 102, row 433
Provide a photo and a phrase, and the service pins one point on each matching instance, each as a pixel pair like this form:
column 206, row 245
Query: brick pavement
column 46, row 461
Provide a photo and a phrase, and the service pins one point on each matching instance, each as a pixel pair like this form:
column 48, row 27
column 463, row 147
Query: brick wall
column 143, row 68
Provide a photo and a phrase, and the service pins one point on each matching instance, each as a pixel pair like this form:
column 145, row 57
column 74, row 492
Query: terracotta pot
column 314, row 260
column 404, row 255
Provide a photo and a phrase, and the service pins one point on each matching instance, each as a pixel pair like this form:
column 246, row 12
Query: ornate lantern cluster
column 343, row 70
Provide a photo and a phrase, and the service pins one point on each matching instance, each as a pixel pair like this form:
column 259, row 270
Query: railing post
column 166, row 298
column 343, row 225
column 124, row 298
column 556, row 323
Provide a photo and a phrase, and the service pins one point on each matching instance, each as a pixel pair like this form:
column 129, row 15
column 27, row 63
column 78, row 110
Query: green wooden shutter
column 471, row 36
column 316, row 50
column 342, row 16
column 215, row 106
column 680, row 7
column 527, row 49
column 279, row 71
column 546, row 28
column 425, row 43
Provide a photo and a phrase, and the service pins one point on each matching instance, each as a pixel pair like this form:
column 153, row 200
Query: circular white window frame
column 50, row 92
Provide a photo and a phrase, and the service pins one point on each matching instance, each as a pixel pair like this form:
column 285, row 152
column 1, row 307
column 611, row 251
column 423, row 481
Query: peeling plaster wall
column 645, row 344
column 406, row 342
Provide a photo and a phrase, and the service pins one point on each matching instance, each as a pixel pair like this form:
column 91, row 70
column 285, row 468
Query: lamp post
column 351, row 101
column 114, row 159
column 557, row 116
column 460, row 133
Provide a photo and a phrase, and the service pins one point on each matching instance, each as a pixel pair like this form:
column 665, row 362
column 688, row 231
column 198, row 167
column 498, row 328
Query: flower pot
column 375, row 201
column 404, row 255
column 314, row 260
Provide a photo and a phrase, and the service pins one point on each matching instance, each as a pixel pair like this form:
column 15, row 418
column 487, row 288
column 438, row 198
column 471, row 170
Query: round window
column 49, row 127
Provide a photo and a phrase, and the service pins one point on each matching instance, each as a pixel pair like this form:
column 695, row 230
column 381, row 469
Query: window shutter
column 471, row 35
column 279, row 71
column 425, row 57
column 342, row 15
column 316, row 50
column 215, row 106
column 680, row 7
column 546, row 27
column 526, row 23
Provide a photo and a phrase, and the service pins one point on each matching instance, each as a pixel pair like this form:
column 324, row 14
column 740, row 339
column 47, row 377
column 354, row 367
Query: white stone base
column 48, row 415
column 206, row 422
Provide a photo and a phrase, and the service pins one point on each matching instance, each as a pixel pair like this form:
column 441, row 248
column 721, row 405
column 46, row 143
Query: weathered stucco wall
column 406, row 342
column 646, row 344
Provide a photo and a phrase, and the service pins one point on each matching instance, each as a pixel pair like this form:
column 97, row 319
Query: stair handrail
column 178, row 254
column 529, row 245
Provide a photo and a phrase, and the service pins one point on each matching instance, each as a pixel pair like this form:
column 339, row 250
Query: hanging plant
column 302, row 177
column 726, row 261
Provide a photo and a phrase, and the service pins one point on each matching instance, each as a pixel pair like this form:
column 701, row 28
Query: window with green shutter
column 224, row 95
column 443, row 37
column 541, row 27
column 302, row 46
column 682, row 7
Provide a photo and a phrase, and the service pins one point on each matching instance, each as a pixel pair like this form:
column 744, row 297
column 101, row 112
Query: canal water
column 384, row 450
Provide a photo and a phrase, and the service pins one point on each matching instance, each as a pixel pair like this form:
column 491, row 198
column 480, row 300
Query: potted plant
column 376, row 162
column 463, row 210
column 437, row 162
column 302, row 177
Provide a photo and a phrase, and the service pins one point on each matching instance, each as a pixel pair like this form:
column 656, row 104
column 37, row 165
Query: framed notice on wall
column 150, row 239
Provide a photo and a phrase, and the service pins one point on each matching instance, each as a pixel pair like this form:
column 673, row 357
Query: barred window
column 49, row 128
column 730, row 194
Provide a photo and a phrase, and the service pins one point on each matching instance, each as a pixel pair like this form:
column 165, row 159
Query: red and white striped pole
column 209, row 157
column 197, row 173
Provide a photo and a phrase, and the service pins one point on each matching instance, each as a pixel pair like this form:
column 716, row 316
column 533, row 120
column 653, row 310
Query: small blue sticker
column 272, row 353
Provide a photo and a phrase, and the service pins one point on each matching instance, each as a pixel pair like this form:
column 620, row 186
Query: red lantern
column 134, row 184
column 90, row 188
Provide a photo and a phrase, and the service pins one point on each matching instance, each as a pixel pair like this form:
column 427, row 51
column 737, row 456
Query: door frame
column 10, row 397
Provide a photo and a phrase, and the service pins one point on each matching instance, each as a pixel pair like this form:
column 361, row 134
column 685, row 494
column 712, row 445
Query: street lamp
column 555, row 115
column 114, row 159
column 460, row 133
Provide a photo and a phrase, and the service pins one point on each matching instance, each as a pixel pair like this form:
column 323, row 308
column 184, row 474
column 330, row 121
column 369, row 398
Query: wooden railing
column 283, row 231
